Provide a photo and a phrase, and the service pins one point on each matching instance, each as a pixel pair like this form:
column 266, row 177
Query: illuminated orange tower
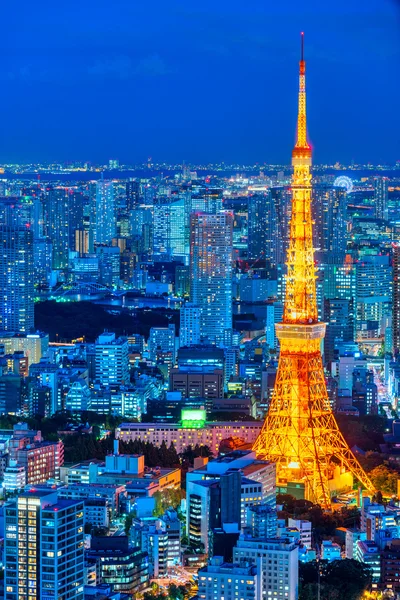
column 300, row 432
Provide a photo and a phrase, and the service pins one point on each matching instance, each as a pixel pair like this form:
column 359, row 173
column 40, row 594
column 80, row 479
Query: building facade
column 211, row 274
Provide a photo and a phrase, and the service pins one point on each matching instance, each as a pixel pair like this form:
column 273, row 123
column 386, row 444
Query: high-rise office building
column 211, row 274
column 282, row 202
column 339, row 277
column 111, row 359
column 162, row 339
column 77, row 201
column 132, row 194
column 259, row 216
column 161, row 228
column 16, row 279
column 189, row 331
column 329, row 209
column 396, row 298
column 178, row 228
column 57, row 218
column 277, row 563
column 43, row 547
column 381, row 197
column 339, row 317
column 18, row 211
column 374, row 288
column 206, row 198
column 109, row 265
column 104, row 218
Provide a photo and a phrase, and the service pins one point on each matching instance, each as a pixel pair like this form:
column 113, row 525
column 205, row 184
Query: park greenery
column 66, row 321
column 338, row 580
column 324, row 524
column 174, row 592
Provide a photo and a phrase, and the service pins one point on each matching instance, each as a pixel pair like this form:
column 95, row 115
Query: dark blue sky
column 200, row 80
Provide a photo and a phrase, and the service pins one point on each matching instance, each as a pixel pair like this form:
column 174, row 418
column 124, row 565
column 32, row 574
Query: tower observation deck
column 300, row 433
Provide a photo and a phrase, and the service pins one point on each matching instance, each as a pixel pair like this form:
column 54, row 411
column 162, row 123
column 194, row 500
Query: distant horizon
column 126, row 165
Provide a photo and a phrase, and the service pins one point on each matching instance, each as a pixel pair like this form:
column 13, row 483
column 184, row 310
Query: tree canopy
column 339, row 579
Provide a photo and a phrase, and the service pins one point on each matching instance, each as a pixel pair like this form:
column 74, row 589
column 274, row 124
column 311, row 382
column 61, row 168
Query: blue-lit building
column 104, row 217
column 43, row 547
column 16, row 278
column 211, row 274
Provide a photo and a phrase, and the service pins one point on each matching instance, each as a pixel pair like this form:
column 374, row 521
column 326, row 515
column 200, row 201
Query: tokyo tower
column 300, row 433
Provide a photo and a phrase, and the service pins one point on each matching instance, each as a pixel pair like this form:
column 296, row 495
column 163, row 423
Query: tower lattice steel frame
column 300, row 433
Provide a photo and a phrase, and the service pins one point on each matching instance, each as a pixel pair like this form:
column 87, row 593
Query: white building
column 277, row 560
column 14, row 477
column 225, row 580
column 111, row 359
column 204, row 434
column 245, row 461
column 304, row 528
column 352, row 537
column 33, row 345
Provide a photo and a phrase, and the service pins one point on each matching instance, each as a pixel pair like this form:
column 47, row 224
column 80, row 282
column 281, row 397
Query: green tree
column 339, row 580
column 128, row 522
column 384, row 479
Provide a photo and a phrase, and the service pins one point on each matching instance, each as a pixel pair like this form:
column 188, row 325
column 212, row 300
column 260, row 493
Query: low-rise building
column 191, row 432
column 352, row 537
column 227, row 580
column 122, row 567
column 330, row 551
column 305, row 530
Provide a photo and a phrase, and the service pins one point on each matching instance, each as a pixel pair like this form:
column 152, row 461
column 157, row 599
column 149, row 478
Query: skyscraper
column 262, row 227
column 339, row 317
column 111, row 359
column 211, row 274
column 43, row 547
column 161, row 228
column 329, row 213
column 396, row 298
column 57, row 225
column 104, row 218
column 132, row 194
column 77, row 202
column 16, row 278
column 381, row 197
column 206, row 198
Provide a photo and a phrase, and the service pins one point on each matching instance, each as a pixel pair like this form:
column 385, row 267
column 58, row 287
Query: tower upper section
column 300, row 301
column 302, row 151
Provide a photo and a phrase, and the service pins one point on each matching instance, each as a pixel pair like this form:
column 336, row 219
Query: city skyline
column 131, row 83
column 200, row 365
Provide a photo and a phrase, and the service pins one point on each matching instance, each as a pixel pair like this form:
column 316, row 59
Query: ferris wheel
column 345, row 182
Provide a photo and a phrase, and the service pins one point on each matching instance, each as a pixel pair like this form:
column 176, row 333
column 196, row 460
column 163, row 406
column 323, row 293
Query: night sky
column 201, row 81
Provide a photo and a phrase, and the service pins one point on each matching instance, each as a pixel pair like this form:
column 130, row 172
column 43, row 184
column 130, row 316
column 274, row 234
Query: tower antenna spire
column 300, row 433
